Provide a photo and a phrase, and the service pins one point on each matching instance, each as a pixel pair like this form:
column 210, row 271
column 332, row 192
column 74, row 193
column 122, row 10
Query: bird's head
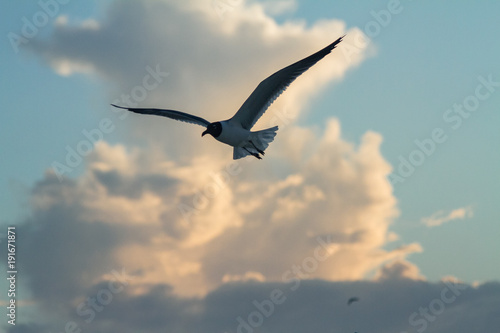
column 214, row 129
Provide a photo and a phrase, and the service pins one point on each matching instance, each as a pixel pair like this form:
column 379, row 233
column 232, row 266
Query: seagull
column 352, row 300
column 236, row 131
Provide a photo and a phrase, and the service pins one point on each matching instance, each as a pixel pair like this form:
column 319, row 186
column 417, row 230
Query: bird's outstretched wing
column 269, row 89
column 177, row 115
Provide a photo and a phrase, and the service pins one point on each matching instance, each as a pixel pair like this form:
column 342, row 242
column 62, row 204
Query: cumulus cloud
column 328, row 218
column 441, row 216
column 337, row 198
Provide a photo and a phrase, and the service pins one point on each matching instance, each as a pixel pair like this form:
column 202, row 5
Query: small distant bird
column 352, row 300
column 236, row 131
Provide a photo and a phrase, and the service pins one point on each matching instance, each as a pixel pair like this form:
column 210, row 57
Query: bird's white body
column 236, row 132
column 233, row 134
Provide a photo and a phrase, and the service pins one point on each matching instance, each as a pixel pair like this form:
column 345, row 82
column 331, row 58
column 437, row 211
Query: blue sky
column 421, row 62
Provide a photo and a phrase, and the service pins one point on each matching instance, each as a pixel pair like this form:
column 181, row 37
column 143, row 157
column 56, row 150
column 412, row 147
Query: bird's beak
column 206, row 132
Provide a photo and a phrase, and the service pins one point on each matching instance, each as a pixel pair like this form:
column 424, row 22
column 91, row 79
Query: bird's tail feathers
column 263, row 138
column 257, row 143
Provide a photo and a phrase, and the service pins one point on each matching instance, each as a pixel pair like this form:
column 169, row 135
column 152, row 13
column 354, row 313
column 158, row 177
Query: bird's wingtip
column 117, row 106
column 336, row 42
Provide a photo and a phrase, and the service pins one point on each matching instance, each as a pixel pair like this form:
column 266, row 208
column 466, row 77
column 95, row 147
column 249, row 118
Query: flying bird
column 352, row 300
column 236, row 131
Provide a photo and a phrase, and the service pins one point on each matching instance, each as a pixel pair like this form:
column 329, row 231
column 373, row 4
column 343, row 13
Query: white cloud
column 441, row 216
column 253, row 224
